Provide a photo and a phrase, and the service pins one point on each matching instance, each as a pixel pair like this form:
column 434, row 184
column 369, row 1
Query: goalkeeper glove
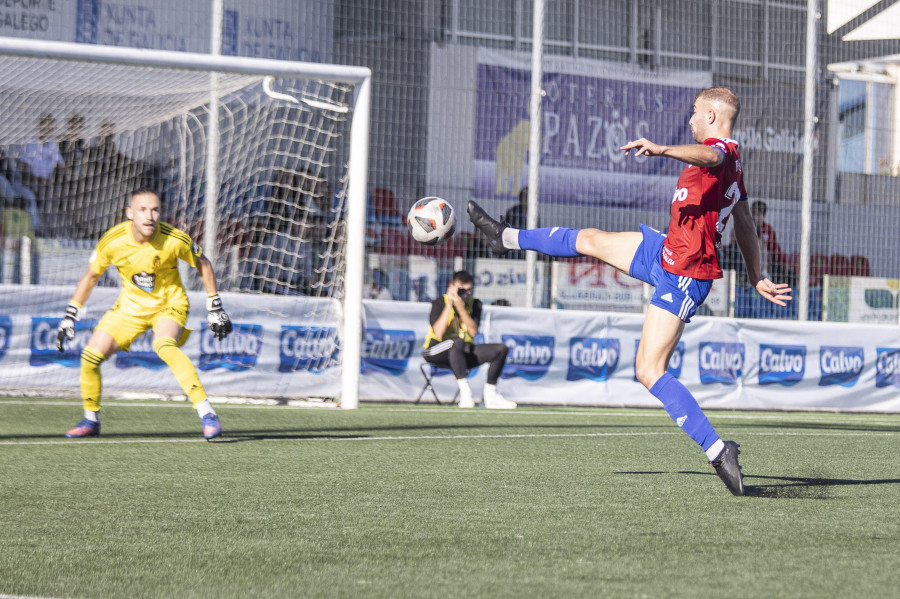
column 219, row 323
column 66, row 329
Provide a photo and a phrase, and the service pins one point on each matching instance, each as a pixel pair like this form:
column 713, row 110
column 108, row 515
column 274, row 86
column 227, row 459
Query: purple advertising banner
column 585, row 120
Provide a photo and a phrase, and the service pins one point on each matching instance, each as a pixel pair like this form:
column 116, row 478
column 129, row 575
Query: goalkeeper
column 146, row 253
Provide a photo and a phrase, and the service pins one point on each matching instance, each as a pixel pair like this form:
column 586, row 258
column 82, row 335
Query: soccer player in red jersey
column 681, row 265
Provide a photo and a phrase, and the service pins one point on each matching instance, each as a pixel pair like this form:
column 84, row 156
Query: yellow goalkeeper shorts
column 125, row 328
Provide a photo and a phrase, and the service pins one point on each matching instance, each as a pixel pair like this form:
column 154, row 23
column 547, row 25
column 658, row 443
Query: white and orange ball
column 431, row 221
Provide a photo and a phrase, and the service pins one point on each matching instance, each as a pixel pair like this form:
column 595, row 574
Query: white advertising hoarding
column 556, row 357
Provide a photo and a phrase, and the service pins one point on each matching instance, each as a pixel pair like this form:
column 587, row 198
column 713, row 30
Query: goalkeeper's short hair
column 140, row 190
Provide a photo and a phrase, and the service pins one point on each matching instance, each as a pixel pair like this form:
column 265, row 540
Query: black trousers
column 460, row 357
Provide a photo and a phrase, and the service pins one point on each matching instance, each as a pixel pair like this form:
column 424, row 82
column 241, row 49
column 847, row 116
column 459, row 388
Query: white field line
column 818, row 417
column 712, row 413
column 85, row 442
column 163, row 403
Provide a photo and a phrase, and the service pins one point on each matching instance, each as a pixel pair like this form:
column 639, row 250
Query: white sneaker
column 465, row 399
column 494, row 401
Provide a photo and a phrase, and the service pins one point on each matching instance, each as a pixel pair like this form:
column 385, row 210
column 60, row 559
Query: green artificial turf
column 402, row 501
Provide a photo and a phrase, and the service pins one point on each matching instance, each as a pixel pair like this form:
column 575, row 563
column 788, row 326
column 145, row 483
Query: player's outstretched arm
column 777, row 293
column 748, row 242
column 696, row 154
column 218, row 320
column 66, row 329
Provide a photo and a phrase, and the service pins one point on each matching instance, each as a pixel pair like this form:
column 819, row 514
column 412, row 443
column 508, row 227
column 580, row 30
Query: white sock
column 204, row 408
column 714, row 451
column 510, row 238
column 464, row 387
column 92, row 416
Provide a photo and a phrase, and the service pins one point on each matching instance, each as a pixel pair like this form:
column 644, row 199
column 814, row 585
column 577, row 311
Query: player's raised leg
column 166, row 345
column 616, row 249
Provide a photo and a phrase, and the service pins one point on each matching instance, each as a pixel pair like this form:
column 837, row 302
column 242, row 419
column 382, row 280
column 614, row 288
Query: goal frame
column 359, row 77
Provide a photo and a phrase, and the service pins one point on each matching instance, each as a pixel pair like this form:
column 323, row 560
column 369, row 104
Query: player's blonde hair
column 724, row 97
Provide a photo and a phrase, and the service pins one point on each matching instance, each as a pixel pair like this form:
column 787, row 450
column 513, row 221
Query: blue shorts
column 677, row 294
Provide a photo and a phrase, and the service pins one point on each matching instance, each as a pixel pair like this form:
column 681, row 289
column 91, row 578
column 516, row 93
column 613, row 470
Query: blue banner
column 585, row 120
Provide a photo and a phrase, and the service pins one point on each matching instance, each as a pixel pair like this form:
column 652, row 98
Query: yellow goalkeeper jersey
column 150, row 279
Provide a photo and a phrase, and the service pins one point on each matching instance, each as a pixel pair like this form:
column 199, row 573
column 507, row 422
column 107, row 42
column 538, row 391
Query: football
column 431, row 221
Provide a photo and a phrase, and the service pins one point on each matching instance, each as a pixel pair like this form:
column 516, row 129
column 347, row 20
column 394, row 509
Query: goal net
column 261, row 162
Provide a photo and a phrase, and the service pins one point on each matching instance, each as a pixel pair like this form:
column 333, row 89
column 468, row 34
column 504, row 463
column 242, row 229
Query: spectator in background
column 280, row 198
column 419, row 291
column 774, row 263
column 111, row 176
column 73, row 149
column 450, row 343
column 325, row 229
column 16, row 195
column 517, row 216
column 280, row 259
column 106, row 151
column 40, row 156
column 38, row 162
column 379, row 288
column 323, row 199
column 16, row 225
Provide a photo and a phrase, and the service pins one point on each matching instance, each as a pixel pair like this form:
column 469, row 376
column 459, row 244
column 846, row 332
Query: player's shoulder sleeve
column 722, row 146
column 476, row 310
column 183, row 246
column 104, row 252
column 437, row 306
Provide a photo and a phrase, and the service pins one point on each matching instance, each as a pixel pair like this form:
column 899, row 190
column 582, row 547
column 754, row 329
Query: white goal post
column 348, row 251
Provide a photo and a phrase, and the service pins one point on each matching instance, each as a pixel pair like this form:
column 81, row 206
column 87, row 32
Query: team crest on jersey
column 144, row 281
column 155, row 263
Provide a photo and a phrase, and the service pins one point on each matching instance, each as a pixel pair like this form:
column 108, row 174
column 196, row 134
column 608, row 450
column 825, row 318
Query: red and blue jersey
column 702, row 203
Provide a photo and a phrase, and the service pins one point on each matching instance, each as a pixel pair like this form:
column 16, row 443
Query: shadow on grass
column 798, row 487
column 825, row 426
column 242, row 435
column 262, row 434
column 813, row 487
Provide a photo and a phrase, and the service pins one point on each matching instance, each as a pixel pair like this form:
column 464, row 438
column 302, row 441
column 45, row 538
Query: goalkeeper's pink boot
column 212, row 428
column 85, row 428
